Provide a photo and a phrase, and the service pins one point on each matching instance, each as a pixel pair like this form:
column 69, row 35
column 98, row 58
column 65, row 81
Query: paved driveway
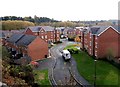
column 45, row 64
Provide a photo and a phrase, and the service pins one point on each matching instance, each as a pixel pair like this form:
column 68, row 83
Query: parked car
column 66, row 55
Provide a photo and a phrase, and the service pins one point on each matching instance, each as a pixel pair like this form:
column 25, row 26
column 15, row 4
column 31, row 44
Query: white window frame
column 42, row 37
column 90, row 43
column 45, row 36
column 90, row 51
column 96, row 43
column 57, row 35
column 42, row 31
column 96, row 53
column 96, row 46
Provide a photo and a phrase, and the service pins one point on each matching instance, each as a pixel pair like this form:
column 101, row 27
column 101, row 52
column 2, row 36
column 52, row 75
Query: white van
column 66, row 54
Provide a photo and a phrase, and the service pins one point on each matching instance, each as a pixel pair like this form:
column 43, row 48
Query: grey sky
column 62, row 9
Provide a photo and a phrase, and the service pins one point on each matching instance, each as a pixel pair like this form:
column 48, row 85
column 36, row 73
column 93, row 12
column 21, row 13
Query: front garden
column 21, row 75
column 106, row 73
column 41, row 77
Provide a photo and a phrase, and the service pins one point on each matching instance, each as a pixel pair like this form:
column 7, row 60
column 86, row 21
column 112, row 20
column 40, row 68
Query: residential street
column 54, row 43
column 61, row 69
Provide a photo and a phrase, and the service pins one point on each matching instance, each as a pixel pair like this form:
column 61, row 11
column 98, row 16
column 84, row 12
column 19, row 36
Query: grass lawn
column 106, row 73
column 41, row 77
column 70, row 47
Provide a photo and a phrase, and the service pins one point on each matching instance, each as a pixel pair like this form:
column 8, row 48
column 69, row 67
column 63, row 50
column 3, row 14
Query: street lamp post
column 95, row 73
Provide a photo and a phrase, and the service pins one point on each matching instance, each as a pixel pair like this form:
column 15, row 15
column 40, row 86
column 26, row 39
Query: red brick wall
column 78, row 32
column 57, row 35
column 108, row 40
column 119, row 46
column 82, row 39
column 29, row 32
column 38, row 49
column 71, row 33
column 43, row 33
column 50, row 35
column 96, row 46
column 87, row 45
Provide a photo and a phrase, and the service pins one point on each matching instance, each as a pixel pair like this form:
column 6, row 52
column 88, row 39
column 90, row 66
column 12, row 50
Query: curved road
column 61, row 69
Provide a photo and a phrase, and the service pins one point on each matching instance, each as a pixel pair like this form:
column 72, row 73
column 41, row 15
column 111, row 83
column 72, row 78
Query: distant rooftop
column 98, row 29
column 15, row 37
column 25, row 40
column 38, row 28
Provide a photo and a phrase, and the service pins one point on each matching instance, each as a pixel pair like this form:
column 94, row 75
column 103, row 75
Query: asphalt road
column 61, row 70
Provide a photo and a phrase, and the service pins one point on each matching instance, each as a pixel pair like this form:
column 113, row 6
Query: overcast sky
column 62, row 9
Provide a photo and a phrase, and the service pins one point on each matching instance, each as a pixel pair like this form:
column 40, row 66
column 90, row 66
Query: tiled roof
column 98, row 29
column 71, row 30
column 102, row 28
column 7, row 33
column 38, row 28
column 35, row 28
column 17, row 31
column 25, row 40
column 2, row 35
column 94, row 30
column 48, row 28
column 15, row 37
column 117, row 28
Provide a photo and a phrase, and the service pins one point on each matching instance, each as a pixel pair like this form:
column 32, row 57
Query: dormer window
column 42, row 31
column 90, row 35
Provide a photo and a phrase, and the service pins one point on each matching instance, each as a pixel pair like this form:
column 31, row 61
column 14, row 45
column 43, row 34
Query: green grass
column 41, row 77
column 107, row 74
column 70, row 47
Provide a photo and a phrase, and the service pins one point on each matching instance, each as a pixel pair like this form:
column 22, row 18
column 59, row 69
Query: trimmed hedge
column 73, row 51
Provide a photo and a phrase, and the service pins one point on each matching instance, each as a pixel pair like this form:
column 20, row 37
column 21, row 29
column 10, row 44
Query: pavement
column 45, row 64
column 76, row 73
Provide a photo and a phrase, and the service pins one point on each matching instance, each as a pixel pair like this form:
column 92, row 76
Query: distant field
column 107, row 74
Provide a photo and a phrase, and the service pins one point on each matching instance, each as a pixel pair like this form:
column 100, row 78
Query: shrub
column 57, row 42
column 73, row 50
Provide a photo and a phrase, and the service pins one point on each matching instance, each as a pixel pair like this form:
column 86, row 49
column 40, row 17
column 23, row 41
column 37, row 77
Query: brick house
column 29, row 47
column 71, row 32
column 75, row 32
column 83, row 31
column 102, row 41
column 79, row 30
column 47, row 33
